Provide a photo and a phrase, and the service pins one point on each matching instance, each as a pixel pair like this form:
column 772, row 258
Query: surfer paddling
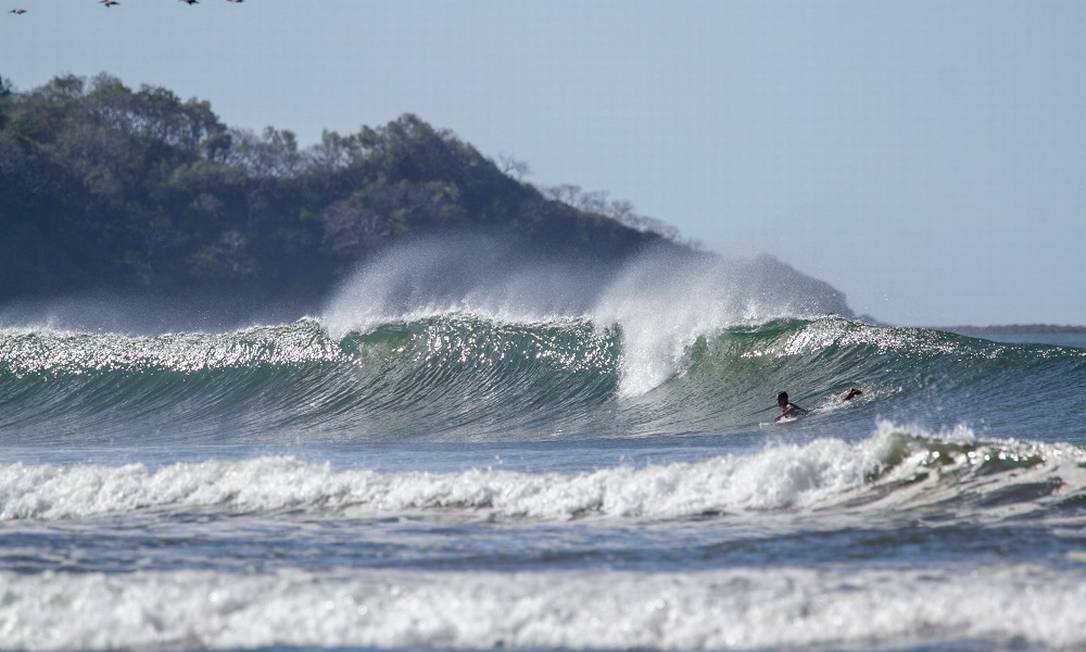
column 791, row 411
column 852, row 393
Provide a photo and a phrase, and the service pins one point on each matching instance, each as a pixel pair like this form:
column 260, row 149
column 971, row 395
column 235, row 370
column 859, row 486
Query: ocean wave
column 893, row 470
column 464, row 376
column 741, row 608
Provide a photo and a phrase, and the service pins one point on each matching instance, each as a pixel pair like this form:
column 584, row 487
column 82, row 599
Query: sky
column 927, row 158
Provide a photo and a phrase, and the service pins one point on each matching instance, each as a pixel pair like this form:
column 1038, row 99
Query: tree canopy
column 106, row 186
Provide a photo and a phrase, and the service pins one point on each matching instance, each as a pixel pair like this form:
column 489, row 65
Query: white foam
column 779, row 477
column 738, row 608
column 784, row 476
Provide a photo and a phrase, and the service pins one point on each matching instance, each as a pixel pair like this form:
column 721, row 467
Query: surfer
column 852, row 393
column 789, row 410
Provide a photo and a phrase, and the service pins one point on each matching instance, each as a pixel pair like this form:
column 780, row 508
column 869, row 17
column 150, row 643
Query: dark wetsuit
column 792, row 411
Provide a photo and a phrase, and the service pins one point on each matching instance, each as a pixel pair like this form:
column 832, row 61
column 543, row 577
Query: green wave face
column 464, row 377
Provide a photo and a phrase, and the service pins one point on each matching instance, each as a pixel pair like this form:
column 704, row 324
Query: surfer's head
column 782, row 399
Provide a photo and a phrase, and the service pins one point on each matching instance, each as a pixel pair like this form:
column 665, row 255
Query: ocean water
column 467, row 476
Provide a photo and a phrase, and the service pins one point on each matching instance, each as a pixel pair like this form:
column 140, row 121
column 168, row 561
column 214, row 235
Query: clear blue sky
column 928, row 158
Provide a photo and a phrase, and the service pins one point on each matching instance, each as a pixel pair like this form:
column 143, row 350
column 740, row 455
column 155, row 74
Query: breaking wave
column 465, row 377
column 733, row 609
column 895, row 469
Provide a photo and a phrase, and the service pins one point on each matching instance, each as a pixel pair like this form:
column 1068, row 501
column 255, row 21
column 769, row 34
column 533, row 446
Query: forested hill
column 107, row 187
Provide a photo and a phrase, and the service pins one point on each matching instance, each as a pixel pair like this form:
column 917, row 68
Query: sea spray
column 661, row 300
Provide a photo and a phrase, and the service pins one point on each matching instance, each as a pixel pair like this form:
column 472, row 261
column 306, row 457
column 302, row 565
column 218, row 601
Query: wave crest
column 461, row 376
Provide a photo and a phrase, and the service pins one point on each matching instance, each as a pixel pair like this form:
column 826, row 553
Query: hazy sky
column 928, row 158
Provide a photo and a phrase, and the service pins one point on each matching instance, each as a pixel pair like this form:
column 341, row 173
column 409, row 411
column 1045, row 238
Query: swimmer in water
column 790, row 410
column 852, row 393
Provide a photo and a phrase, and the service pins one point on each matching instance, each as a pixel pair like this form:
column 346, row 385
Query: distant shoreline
column 1012, row 329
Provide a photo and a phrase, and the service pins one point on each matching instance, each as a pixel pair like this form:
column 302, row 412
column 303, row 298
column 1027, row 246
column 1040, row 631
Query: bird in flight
column 17, row 12
column 191, row 2
column 108, row 3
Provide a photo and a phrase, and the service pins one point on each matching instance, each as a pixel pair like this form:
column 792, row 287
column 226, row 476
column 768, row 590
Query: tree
column 121, row 187
column 512, row 167
column 5, row 96
column 272, row 154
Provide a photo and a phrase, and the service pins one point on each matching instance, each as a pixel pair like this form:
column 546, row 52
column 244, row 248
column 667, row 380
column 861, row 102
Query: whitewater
column 469, row 448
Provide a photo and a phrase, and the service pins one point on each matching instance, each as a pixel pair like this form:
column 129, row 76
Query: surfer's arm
column 791, row 411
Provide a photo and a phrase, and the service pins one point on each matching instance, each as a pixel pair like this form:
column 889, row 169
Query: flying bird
column 108, row 3
column 17, row 12
column 191, row 2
